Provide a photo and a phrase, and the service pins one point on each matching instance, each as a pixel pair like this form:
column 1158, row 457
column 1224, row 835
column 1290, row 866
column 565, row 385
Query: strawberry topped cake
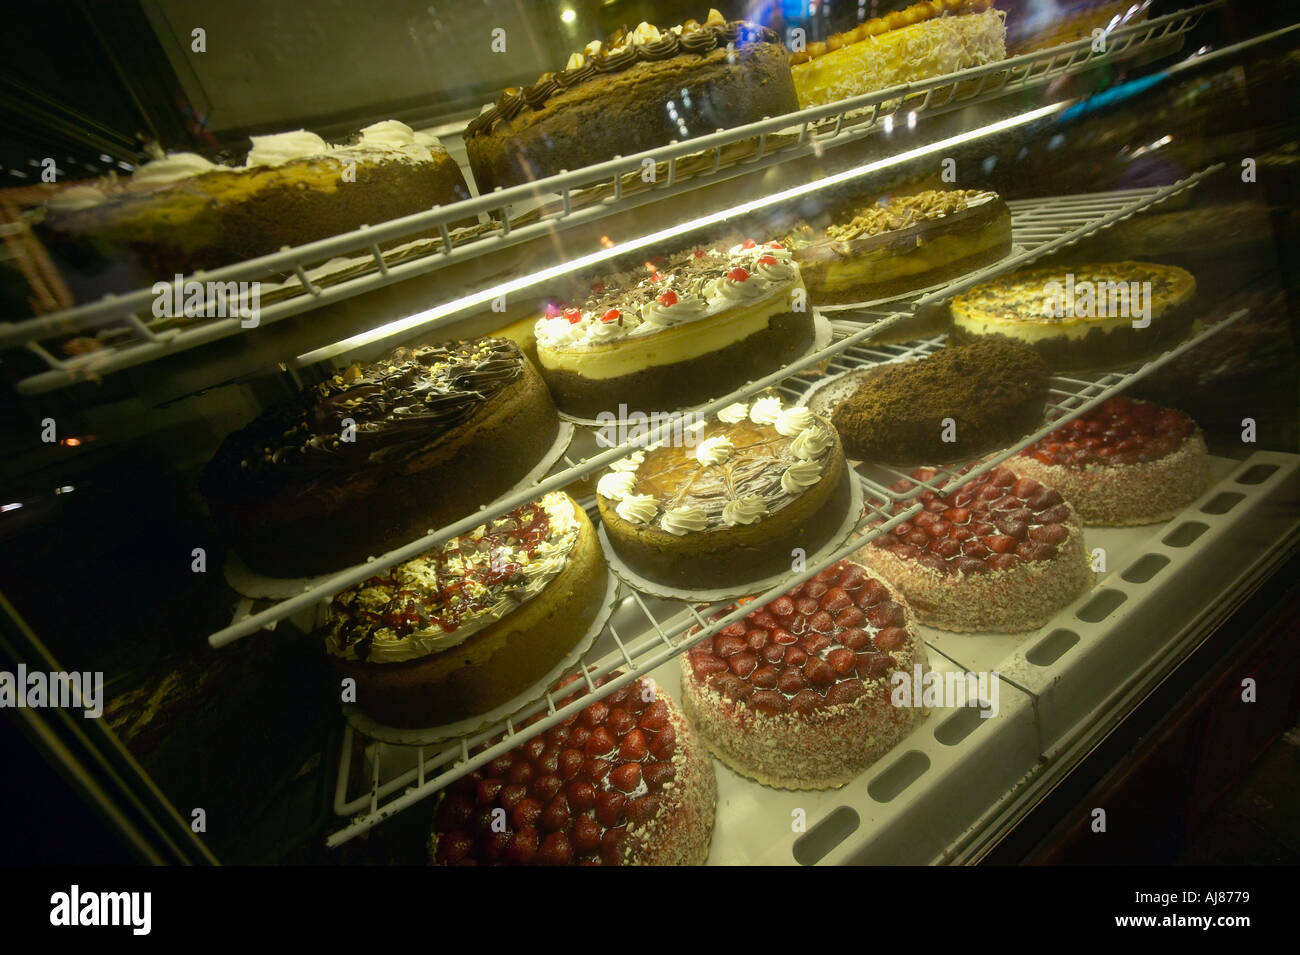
column 1124, row 462
column 797, row 694
column 622, row 782
column 696, row 327
column 999, row 552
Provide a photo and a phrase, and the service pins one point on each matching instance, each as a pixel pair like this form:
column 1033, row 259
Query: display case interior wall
column 116, row 496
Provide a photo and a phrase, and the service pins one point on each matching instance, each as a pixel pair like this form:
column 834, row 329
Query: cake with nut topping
column 727, row 503
column 900, row 244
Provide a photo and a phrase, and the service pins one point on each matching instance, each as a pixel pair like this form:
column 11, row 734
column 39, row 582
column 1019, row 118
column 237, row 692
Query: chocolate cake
column 727, row 507
column 1082, row 317
column 900, row 244
column 992, row 390
column 472, row 624
column 697, row 327
column 640, row 90
column 183, row 213
column 436, row 431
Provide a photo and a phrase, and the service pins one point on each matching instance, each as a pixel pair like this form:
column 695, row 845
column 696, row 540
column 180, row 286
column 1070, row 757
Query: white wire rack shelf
column 1072, row 218
column 582, row 196
column 646, row 632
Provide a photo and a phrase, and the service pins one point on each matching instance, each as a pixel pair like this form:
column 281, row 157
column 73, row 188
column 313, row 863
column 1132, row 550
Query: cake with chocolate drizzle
column 727, row 503
column 697, row 327
column 376, row 455
column 470, row 625
column 900, row 244
column 641, row 89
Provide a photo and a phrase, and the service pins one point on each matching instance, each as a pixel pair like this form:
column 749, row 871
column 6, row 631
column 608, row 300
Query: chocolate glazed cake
column 639, row 91
column 437, row 431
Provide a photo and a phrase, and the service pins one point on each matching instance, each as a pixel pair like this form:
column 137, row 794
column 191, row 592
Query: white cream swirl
column 171, row 168
column 734, row 413
column 714, row 450
column 75, row 198
column 687, row 308
column 743, row 510
column 557, row 332
column 684, row 520
column 629, row 463
column 810, row 443
column 791, row 421
column 800, row 475
column 285, row 147
column 637, row 508
column 765, row 410
column 616, row 485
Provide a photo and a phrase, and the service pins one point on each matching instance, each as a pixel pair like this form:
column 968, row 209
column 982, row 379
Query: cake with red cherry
column 797, row 695
column 1124, row 462
column 998, row 552
column 622, row 782
column 699, row 326
column 727, row 503
column 474, row 623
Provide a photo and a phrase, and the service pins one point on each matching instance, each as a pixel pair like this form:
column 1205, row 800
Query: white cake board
column 746, row 588
column 248, row 582
column 916, row 292
column 373, row 729
column 822, row 333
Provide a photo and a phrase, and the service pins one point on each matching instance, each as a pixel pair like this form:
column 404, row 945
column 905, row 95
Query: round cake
column 375, row 456
column 924, row 40
column 1124, row 462
column 469, row 626
column 798, row 694
column 640, row 90
column 949, row 406
column 1083, row 316
column 623, row 782
column 697, row 327
column 182, row 213
column 725, row 504
column 901, row 244
column 996, row 553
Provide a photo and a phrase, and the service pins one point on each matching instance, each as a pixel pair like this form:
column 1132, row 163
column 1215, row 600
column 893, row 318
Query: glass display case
column 796, row 432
